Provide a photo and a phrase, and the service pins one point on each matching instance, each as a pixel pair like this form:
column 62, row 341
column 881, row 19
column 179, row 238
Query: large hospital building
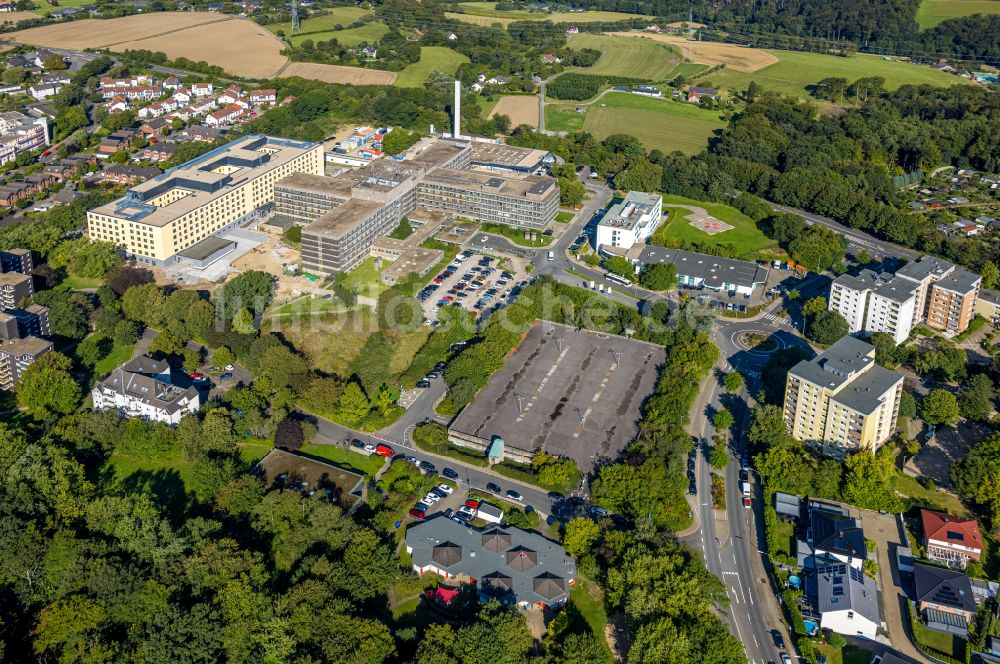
column 224, row 188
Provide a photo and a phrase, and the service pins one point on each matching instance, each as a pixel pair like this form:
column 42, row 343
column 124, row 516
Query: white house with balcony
column 630, row 221
column 145, row 388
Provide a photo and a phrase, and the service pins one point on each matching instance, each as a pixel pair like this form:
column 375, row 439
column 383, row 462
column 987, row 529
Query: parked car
column 414, row 460
column 449, row 473
column 229, row 367
column 599, row 512
column 427, row 467
column 370, row 448
column 779, row 640
column 465, row 509
column 431, row 497
column 417, row 514
column 358, row 444
column 493, row 488
column 423, row 382
column 785, row 659
column 746, row 502
column 226, row 376
column 445, row 488
column 384, row 450
column 197, row 376
column 514, row 495
column 472, row 504
column 556, row 497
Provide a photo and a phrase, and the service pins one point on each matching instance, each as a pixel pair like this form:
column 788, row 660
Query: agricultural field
column 369, row 32
column 740, row 58
column 488, row 9
column 563, row 117
column 16, row 17
column 343, row 16
column 522, row 109
column 431, row 57
column 932, row 12
column 745, row 237
column 688, row 69
column 240, row 47
column 623, row 56
column 795, row 72
column 94, row 33
column 483, row 21
column 338, row 74
column 659, row 123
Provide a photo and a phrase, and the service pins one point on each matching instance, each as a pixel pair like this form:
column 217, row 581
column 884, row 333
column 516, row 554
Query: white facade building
column 144, row 388
column 871, row 302
column 630, row 221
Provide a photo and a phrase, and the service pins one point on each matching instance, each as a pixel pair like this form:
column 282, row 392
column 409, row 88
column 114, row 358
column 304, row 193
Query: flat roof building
column 841, row 401
column 502, row 158
column 16, row 355
column 224, row 188
column 946, row 295
column 630, row 221
column 704, row 271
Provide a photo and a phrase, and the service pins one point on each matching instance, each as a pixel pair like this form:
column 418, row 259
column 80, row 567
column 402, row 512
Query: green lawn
column 431, row 57
column 517, row 236
column 342, row 15
column 849, row 655
column 939, row 641
column 911, row 488
column 627, row 56
column 73, row 282
column 932, row 12
column 309, row 304
column 586, row 597
column 658, row 123
column 338, row 456
column 118, row 355
column 45, row 7
column 564, row 117
column 364, row 279
column 745, row 237
column 797, row 70
column 687, row 69
column 369, row 32
column 565, row 217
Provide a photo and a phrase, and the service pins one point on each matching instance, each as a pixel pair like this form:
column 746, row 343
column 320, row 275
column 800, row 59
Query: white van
column 745, row 487
column 552, row 255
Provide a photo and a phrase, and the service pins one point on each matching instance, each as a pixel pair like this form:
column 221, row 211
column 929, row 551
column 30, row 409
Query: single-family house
column 146, row 388
column 572, row 30
column 551, row 59
column 944, row 598
column 154, row 127
column 831, row 536
column 182, row 96
column 476, row 87
column 44, row 91
column 370, row 52
column 230, row 95
column 161, row 151
column 951, row 540
column 172, row 83
column 201, row 133
column 265, row 96
column 223, row 116
column 118, row 104
column 202, row 89
column 696, row 94
column 119, row 140
column 845, row 599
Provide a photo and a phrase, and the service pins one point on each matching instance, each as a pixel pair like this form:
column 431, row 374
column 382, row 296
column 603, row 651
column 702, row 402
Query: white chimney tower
column 457, row 110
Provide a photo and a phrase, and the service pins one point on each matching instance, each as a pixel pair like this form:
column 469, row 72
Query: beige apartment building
column 841, row 401
column 222, row 189
column 945, row 294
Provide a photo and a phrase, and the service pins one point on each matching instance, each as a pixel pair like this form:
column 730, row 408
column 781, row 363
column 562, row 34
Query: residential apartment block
column 344, row 215
column 20, row 133
column 221, row 189
column 951, row 540
column 145, row 388
column 16, row 355
column 16, row 260
column 32, row 321
column 841, row 401
column 15, row 287
column 930, row 291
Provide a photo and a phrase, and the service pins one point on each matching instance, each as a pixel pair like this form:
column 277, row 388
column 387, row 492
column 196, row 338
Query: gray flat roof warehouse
column 569, row 392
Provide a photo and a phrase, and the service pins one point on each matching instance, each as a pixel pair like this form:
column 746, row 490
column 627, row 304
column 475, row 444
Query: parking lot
column 471, row 281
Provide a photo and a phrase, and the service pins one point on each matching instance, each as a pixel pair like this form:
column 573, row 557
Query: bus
column 614, row 278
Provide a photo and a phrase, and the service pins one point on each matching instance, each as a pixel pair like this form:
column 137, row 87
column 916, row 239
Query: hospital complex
column 175, row 215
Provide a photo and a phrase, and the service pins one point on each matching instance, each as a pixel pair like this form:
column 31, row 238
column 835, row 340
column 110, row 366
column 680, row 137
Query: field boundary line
column 168, row 32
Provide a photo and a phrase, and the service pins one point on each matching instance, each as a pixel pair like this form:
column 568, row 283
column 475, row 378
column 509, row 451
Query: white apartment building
column 20, row 133
column 630, row 221
column 841, row 401
column 891, row 306
column 144, row 388
column 849, row 297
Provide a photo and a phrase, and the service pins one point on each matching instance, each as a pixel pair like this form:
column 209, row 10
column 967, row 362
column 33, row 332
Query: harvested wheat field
column 14, row 17
column 738, row 58
column 522, row 109
column 95, row 33
column 239, row 46
column 339, row 74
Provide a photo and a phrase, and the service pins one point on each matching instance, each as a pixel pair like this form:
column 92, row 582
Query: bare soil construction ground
column 338, row 74
column 740, row 58
column 522, row 109
column 239, row 46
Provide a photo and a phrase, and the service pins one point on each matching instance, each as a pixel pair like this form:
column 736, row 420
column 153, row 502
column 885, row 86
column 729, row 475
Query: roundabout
column 757, row 342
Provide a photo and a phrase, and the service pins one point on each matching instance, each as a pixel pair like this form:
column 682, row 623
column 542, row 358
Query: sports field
column 659, row 123
column 337, row 15
column 369, row 32
column 339, row 74
column 431, row 57
column 522, row 109
column 932, row 12
column 624, row 56
column 796, row 71
column 489, row 9
column 748, row 240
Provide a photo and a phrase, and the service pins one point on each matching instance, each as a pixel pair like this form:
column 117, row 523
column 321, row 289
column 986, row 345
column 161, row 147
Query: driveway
column 885, row 530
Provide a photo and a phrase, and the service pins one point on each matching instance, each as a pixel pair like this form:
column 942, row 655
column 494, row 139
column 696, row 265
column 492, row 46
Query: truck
column 552, row 255
column 592, row 285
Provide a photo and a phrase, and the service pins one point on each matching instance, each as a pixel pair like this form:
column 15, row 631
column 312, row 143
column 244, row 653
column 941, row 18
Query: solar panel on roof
column 959, row 537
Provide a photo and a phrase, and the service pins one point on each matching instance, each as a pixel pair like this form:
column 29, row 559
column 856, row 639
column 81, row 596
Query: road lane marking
column 736, row 598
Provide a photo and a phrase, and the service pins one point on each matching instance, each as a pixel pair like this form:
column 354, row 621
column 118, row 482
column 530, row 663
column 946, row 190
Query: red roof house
column 951, row 540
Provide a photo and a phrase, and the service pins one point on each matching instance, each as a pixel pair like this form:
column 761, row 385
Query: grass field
column 346, row 459
column 489, row 9
column 431, row 57
column 329, row 341
column 747, row 239
column 625, row 56
column 562, row 117
column 658, row 123
column 848, row 655
column 369, row 32
column 483, row 21
column 688, row 69
column 118, row 355
column 932, row 12
column 310, row 305
column 337, row 15
column 73, row 282
column 364, row 279
column 795, row 71
column 911, row 488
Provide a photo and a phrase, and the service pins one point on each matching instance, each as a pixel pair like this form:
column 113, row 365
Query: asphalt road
column 857, row 240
